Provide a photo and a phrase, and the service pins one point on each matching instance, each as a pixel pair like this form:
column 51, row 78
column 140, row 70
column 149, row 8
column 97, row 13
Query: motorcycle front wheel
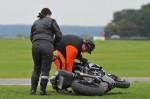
column 89, row 89
column 122, row 83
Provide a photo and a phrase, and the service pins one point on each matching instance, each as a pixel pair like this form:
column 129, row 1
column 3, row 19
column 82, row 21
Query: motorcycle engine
column 95, row 69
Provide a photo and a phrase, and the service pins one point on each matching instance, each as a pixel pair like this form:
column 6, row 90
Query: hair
column 44, row 12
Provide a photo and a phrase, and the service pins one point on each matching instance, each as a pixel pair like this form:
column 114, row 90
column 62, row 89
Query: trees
column 129, row 22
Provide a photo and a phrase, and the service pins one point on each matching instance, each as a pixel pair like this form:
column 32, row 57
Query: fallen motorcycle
column 88, row 79
column 94, row 80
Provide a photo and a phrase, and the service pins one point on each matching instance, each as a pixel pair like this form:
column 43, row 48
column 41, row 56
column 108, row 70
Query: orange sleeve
column 71, row 53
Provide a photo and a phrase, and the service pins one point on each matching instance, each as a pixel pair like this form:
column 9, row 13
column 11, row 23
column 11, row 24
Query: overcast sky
column 66, row 12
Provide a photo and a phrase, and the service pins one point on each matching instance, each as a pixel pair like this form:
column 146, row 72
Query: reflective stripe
column 44, row 77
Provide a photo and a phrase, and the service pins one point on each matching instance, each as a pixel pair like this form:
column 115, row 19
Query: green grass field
column 124, row 58
column 120, row 57
column 136, row 91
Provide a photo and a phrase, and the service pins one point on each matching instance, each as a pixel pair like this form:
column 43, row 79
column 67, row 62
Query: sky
column 66, row 12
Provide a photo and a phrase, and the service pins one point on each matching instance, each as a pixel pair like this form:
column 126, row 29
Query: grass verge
column 137, row 90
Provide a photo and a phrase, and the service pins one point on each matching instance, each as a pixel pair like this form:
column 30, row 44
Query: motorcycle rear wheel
column 83, row 88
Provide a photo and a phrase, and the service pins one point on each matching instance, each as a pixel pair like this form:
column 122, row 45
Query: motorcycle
column 88, row 79
column 93, row 80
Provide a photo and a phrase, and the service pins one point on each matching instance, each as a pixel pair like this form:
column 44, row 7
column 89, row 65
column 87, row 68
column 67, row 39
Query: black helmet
column 90, row 45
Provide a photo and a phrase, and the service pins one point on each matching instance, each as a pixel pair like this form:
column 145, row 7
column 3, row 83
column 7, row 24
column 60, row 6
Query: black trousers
column 42, row 57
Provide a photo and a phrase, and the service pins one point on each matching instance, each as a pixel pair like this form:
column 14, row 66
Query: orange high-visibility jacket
column 69, row 49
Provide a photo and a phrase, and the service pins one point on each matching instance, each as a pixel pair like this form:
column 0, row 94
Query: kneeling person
column 70, row 48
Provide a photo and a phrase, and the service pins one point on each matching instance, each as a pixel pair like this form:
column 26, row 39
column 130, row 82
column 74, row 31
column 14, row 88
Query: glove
column 79, row 57
column 55, row 55
column 84, row 60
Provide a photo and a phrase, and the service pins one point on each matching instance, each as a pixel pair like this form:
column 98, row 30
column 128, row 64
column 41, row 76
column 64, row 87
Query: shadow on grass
column 106, row 94
column 115, row 93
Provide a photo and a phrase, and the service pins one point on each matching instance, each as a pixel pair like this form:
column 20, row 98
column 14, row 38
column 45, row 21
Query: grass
column 124, row 58
column 137, row 90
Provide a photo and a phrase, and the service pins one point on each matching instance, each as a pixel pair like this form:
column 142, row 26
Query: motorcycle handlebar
column 90, row 76
column 84, row 60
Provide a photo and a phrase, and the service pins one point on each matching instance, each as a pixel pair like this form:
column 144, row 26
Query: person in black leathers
column 45, row 33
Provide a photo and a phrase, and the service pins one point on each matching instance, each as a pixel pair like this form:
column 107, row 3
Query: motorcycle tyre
column 122, row 83
column 83, row 89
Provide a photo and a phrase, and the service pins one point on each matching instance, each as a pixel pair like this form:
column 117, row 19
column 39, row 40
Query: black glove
column 79, row 57
column 84, row 60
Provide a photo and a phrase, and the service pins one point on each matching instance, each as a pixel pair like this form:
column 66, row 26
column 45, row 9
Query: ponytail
column 40, row 16
column 44, row 12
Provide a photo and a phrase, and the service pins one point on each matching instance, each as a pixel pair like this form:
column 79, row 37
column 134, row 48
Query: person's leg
column 68, row 79
column 53, row 80
column 67, row 83
column 37, row 69
column 60, row 62
column 47, row 53
column 60, row 65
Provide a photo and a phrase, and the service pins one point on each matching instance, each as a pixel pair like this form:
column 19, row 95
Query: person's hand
column 80, row 57
column 55, row 55
column 84, row 60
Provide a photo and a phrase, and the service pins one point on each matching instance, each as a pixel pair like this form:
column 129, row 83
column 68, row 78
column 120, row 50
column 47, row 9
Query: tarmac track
column 28, row 81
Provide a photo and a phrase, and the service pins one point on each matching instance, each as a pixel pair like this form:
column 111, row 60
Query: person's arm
column 79, row 57
column 57, row 31
column 31, row 34
column 71, row 54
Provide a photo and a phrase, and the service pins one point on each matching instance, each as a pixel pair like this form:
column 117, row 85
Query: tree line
column 24, row 30
column 130, row 23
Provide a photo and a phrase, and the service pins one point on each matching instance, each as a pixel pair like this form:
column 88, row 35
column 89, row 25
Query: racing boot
column 43, row 85
column 34, row 84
